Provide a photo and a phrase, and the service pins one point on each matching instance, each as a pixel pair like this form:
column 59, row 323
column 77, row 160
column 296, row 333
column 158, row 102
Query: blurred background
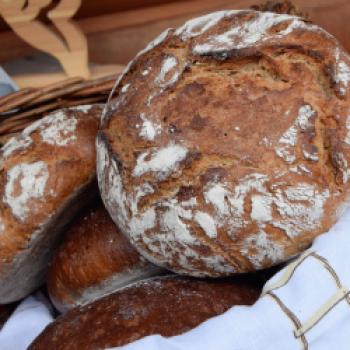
column 43, row 41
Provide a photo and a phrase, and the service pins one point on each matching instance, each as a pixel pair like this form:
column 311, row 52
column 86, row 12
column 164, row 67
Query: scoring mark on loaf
column 161, row 161
column 25, row 182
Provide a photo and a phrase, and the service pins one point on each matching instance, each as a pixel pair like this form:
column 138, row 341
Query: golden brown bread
column 227, row 147
column 47, row 173
column 161, row 305
column 93, row 260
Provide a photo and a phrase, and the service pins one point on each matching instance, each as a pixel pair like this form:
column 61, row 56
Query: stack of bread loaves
column 224, row 151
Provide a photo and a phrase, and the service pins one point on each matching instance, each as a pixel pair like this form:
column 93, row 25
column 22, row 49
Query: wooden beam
column 43, row 78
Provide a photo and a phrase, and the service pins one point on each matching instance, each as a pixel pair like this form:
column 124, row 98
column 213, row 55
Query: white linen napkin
column 28, row 320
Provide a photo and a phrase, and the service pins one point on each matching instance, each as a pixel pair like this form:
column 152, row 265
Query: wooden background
column 116, row 30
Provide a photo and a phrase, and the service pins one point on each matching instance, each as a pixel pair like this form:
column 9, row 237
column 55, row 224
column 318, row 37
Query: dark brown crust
column 257, row 116
column 93, row 260
column 59, row 180
column 166, row 306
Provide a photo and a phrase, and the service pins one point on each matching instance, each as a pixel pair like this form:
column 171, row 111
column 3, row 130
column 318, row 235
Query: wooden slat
column 117, row 37
column 124, row 42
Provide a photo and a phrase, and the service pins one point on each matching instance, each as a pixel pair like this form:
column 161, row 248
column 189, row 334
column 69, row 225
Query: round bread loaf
column 93, row 260
column 227, row 147
column 163, row 305
column 47, row 173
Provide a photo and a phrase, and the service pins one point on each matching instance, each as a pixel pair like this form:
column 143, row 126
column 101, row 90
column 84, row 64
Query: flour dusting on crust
column 125, row 88
column 200, row 25
column 15, row 144
column 175, row 238
column 347, row 125
column 165, row 77
column 25, row 181
column 242, row 36
column 211, row 214
column 149, row 129
column 83, row 108
column 161, row 161
column 342, row 73
column 300, row 207
column 207, row 223
column 258, row 247
column 57, row 128
column 288, row 141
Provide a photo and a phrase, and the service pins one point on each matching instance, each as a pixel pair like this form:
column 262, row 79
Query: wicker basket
column 21, row 108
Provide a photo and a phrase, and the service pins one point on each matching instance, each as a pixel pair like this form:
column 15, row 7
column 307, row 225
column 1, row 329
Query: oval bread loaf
column 93, row 260
column 47, row 173
column 227, row 148
column 163, row 305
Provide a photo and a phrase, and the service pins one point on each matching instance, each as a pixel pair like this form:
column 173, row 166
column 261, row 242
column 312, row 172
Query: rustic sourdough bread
column 93, row 260
column 47, row 173
column 163, row 305
column 227, row 147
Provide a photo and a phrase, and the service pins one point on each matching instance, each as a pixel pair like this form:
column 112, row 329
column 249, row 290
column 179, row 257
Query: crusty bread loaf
column 93, row 260
column 163, row 305
column 46, row 175
column 227, row 147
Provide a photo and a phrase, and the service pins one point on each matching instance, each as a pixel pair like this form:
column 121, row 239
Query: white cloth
column 28, row 320
column 321, row 279
column 314, row 288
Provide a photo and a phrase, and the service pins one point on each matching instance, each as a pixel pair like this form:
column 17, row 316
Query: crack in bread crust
column 231, row 140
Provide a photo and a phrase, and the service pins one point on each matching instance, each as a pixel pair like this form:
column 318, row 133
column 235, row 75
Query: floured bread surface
column 227, row 147
column 94, row 260
column 41, row 171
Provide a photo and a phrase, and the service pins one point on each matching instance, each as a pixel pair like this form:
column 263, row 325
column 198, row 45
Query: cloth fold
column 30, row 317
